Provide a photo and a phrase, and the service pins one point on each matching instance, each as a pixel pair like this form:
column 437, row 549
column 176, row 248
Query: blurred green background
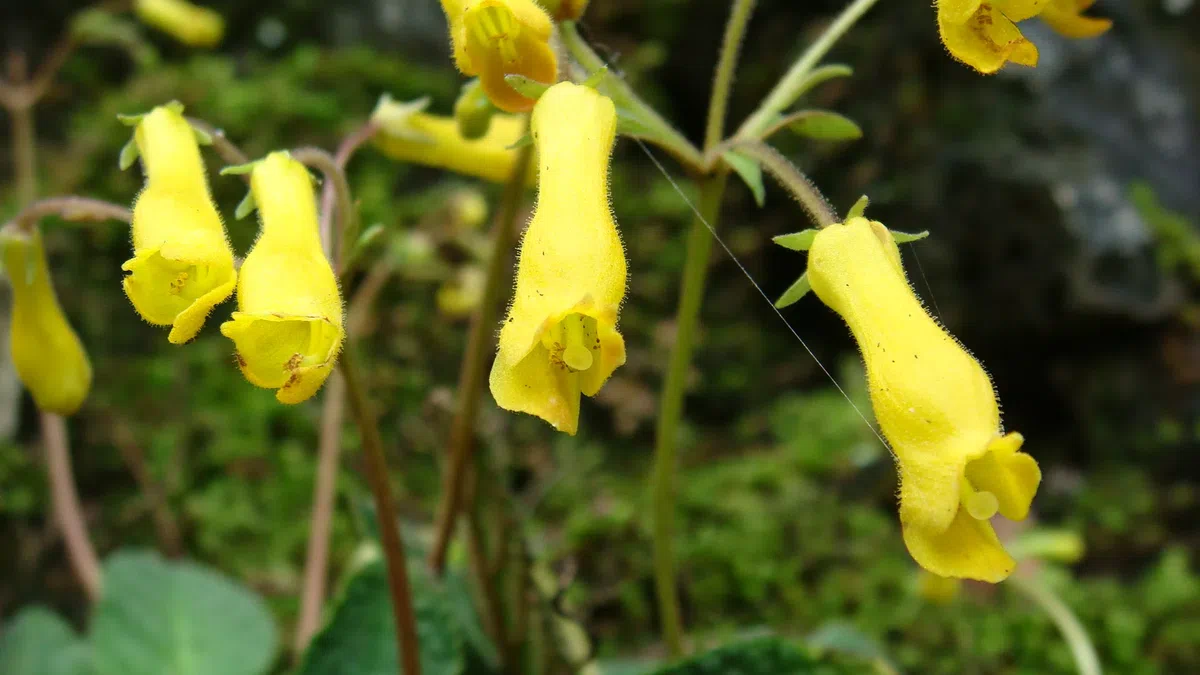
column 1063, row 204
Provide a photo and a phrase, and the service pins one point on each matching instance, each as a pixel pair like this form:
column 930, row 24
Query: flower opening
column 985, row 36
column 494, row 38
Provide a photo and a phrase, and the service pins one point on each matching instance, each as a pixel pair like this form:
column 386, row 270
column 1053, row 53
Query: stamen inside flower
column 981, row 505
column 496, row 26
column 571, row 343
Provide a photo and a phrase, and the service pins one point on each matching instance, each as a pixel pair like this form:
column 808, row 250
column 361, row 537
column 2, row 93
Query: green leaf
column 820, row 75
column 859, row 208
column 794, row 292
column 797, row 241
column 360, row 639
column 757, row 656
column 129, row 155
column 37, row 642
column 904, row 237
column 245, row 206
column 824, row 125
column 526, row 87
column 750, row 171
column 159, row 617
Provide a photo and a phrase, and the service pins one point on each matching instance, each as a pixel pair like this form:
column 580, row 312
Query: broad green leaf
column 177, row 618
column 859, row 208
column 824, row 125
column 37, row 642
column 360, row 638
column 757, row 656
column 904, row 237
column 797, row 241
column 750, row 171
column 794, row 292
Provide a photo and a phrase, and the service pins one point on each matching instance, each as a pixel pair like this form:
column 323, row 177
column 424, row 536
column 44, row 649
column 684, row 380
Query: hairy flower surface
column 934, row 403
column 560, row 338
column 48, row 355
column 288, row 327
column 984, row 34
column 410, row 135
column 494, row 38
column 182, row 264
column 191, row 25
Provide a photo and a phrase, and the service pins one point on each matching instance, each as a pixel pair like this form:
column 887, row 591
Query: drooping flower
column 934, row 403
column 182, row 264
column 288, row 326
column 560, row 338
column 191, row 25
column 984, row 34
column 494, row 38
column 408, row 134
column 48, row 355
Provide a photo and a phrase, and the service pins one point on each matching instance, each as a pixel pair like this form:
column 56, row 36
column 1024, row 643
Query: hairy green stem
column 479, row 347
column 793, row 179
column 670, row 407
column 731, row 47
column 784, row 93
column 385, row 507
column 1082, row 649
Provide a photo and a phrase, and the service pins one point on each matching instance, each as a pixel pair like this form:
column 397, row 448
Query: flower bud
column 182, row 264
column 191, row 25
column 934, row 404
column 48, row 355
column 560, row 338
column 288, row 325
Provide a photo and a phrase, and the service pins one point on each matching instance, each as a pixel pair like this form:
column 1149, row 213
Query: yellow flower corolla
column 934, row 403
column 494, row 38
column 410, row 135
column 288, row 326
column 193, row 26
column 565, row 10
column 49, row 358
column 182, row 264
column 560, row 338
column 984, row 34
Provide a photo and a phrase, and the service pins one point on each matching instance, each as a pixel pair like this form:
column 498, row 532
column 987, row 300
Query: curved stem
column 783, row 95
column 347, row 214
column 316, row 564
column 76, row 209
column 1086, row 660
column 479, row 347
column 227, row 149
column 385, row 507
column 792, row 178
column 329, row 194
column 735, row 32
column 67, row 511
column 670, row 407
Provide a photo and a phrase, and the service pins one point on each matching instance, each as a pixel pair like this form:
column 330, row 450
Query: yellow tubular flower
column 494, row 38
column 48, row 355
column 434, row 140
column 934, row 403
column 984, row 35
column 565, row 10
column 288, row 327
column 560, row 338
column 193, row 26
column 182, row 264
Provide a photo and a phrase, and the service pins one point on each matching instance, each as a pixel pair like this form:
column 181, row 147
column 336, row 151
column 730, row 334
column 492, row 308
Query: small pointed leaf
column 238, row 169
column 596, row 78
column 859, row 208
column 751, row 174
column 202, row 136
column 797, row 241
column 526, row 87
column 129, row 155
column 130, row 120
column 245, row 206
column 520, row 142
column 824, row 125
column 904, row 237
column 794, row 292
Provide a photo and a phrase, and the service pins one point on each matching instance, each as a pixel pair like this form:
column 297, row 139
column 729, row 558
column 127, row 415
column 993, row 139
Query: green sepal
column 593, row 81
column 202, row 136
column 904, row 237
column 134, row 120
column 526, row 87
column 797, row 241
column 794, row 292
column 245, row 206
column 859, row 208
column 520, row 142
column 129, row 155
column 239, row 169
column 751, row 173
